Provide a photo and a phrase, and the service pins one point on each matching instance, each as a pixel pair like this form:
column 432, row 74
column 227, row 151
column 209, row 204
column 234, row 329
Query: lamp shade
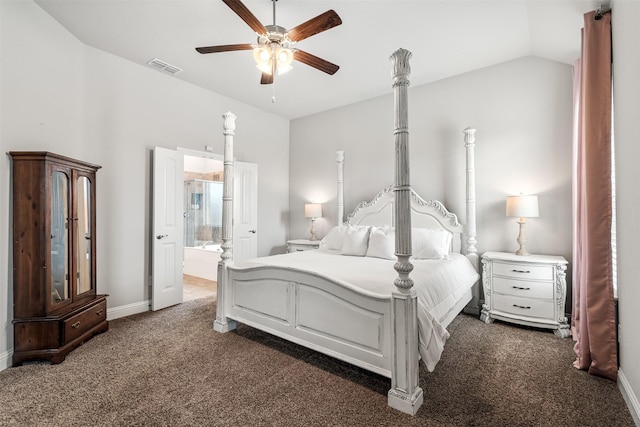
column 313, row 210
column 522, row 206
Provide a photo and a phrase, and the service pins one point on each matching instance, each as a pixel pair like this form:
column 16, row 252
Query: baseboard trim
column 127, row 310
column 5, row 359
column 112, row 313
column 629, row 397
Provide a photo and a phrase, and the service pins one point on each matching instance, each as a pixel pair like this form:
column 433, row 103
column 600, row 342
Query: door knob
column 252, row 231
column 161, row 236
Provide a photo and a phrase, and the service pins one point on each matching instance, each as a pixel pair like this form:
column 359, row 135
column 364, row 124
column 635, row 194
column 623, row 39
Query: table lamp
column 313, row 211
column 522, row 207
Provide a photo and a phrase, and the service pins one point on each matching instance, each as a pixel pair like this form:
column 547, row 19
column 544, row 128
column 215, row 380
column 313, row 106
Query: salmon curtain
column 593, row 317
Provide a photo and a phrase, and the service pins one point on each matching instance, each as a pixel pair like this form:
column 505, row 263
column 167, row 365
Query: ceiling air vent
column 163, row 66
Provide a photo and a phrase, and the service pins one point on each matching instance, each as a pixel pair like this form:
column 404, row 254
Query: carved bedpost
column 222, row 324
column 405, row 395
column 470, row 233
column 340, row 161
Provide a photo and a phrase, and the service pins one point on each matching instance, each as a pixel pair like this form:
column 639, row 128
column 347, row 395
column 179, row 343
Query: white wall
column 522, row 112
column 135, row 108
column 41, row 108
column 62, row 96
column 627, row 151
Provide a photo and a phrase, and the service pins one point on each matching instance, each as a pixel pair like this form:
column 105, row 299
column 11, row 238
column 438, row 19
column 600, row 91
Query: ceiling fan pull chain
column 273, row 73
column 273, row 96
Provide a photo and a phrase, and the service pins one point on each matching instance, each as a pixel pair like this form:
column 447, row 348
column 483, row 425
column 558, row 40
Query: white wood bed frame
column 377, row 334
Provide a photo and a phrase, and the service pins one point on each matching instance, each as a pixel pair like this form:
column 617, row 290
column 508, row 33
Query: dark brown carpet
column 170, row 368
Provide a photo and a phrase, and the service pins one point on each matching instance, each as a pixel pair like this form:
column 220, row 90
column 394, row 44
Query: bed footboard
column 312, row 311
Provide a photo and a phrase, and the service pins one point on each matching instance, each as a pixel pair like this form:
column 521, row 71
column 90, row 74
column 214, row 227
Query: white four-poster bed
column 322, row 299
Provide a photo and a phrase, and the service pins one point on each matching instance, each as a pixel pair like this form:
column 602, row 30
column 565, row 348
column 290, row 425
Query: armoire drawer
column 78, row 324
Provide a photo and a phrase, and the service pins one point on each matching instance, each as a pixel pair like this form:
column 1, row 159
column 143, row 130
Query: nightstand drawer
column 300, row 248
column 523, row 306
column 300, row 245
column 523, row 288
column 523, row 271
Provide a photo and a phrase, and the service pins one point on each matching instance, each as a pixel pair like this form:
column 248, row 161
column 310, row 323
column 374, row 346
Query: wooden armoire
column 55, row 303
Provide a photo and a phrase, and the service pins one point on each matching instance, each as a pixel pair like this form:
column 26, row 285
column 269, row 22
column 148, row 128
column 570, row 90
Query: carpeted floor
column 170, row 368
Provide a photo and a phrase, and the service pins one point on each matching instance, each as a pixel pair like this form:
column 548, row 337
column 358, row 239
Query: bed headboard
column 424, row 214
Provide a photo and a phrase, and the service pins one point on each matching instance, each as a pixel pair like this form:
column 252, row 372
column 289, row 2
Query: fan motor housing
column 275, row 34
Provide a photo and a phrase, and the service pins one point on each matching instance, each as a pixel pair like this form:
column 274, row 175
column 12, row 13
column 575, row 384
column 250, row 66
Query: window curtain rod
column 601, row 10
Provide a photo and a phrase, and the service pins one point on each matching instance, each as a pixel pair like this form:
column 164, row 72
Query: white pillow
column 334, row 238
column 382, row 243
column 430, row 243
column 356, row 239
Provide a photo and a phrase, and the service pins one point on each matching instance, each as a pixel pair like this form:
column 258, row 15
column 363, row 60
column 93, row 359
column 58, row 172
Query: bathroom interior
column 202, row 225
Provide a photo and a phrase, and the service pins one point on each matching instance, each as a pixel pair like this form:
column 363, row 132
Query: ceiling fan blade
column 224, row 48
column 243, row 12
column 266, row 79
column 316, row 25
column 315, row 62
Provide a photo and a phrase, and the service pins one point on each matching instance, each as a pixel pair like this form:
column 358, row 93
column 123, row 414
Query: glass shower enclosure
column 202, row 214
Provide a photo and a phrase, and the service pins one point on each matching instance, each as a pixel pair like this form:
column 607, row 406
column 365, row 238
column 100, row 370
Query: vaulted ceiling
column 446, row 37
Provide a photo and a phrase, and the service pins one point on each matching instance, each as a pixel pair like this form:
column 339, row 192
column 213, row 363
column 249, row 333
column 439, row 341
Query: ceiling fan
column 274, row 51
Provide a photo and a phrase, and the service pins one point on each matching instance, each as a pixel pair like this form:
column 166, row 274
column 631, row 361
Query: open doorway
column 170, row 208
column 202, row 222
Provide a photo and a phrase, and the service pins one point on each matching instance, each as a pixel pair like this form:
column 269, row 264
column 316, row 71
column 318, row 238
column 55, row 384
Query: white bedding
column 439, row 284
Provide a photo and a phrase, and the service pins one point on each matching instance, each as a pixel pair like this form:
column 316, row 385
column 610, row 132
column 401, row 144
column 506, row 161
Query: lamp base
column 521, row 239
column 312, row 235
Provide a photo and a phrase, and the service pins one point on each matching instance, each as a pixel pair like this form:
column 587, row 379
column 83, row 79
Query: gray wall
column 627, row 116
column 62, row 96
column 522, row 111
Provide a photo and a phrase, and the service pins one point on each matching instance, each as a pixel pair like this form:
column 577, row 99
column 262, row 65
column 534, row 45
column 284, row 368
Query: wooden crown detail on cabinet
column 55, row 304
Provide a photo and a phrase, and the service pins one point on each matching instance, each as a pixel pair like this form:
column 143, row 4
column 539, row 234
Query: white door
column 245, row 215
column 167, row 228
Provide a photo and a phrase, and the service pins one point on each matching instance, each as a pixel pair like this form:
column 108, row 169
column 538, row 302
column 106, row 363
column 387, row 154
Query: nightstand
column 302, row 245
column 525, row 289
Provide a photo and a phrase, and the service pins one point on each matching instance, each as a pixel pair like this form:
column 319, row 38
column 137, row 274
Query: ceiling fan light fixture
column 262, row 54
column 283, row 69
column 284, row 58
column 268, row 55
column 265, row 68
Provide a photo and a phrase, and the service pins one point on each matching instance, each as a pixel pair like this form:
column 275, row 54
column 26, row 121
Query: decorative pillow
column 356, row 239
column 431, row 243
column 382, row 243
column 334, row 238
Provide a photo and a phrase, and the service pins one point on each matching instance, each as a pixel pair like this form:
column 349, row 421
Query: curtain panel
column 593, row 317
